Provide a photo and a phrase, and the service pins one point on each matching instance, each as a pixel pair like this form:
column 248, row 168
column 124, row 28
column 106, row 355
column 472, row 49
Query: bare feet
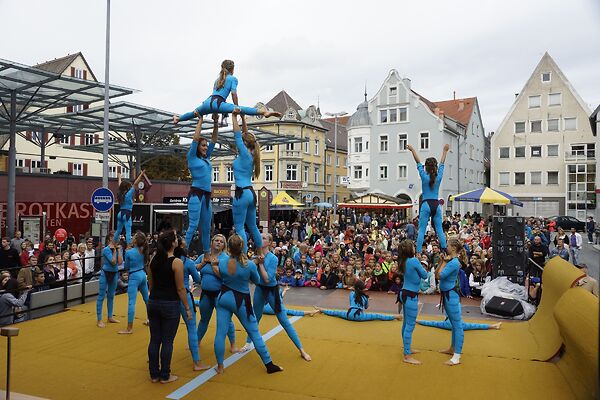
column 125, row 332
column 219, row 369
column 451, row 363
column 448, row 351
column 147, row 322
column 112, row 320
column 101, row 324
column 172, row 378
column 399, row 317
column 233, row 349
column 200, row 367
column 311, row 313
column 410, row 360
column 272, row 114
column 305, row 355
column 236, row 111
column 496, row 325
column 244, row 348
column 175, row 119
column 414, row 351
column 319, row 309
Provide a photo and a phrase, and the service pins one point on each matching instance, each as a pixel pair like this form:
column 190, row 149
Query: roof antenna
column 365, row 90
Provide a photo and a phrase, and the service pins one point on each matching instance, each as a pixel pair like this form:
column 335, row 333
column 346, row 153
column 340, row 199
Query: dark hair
column 108, row 238
column 123, row 188
column 235, row 245
column 12, row 287
column 431, row 167
column 139, row 239
column 360, row 297
column 165, row 241
column 198, row 148
column 179, row 251
column 406, row 250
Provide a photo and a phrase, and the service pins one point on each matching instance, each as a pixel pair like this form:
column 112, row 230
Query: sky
column 318, row 51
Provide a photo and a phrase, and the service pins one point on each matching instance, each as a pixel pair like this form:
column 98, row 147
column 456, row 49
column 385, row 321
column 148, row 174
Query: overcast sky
column 172, row 50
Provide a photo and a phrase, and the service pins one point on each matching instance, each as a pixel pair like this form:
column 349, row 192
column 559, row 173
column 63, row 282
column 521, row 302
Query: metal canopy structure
column 25, row 93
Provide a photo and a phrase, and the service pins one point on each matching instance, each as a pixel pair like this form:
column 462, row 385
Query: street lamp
column 105, row 138
column 335, row 115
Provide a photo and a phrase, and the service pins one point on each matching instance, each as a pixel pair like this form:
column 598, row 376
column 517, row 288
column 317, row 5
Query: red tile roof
column 459, row 109
column 341, row 120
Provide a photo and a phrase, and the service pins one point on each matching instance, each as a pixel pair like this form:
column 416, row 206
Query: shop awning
column 284, row 199
column 376, row 201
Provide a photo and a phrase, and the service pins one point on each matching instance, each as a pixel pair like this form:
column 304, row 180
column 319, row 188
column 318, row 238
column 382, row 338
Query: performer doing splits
column 467, row 326
column 431, row 177
column 226, row 83
column 199, row 203
column 136, row 260
column 292, row 313
column 125, row 198
column 359, row 302
column 211, row 285
column 267, row 292
column 447, row 273
column 236, row 271
column 409, row 295
column 112, row 256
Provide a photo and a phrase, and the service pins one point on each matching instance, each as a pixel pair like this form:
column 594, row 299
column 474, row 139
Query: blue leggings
column 123, row 221
column 137, row 281
column 199, row 214
column 207, row 305
column 430, row 209
column 226, row 307
column 244, row 213
column 410, row 308
column 259, row 302
column 211, row 105
column 190, row 324
column 109, row 287
column 359, row 318
column 445, row 324
column 290, row 312
column 453, row 311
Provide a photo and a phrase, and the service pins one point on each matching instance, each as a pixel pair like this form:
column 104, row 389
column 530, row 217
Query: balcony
column 290, row 154
column 578, row 156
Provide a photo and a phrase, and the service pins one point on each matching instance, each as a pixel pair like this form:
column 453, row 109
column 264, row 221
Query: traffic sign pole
column 103, row 201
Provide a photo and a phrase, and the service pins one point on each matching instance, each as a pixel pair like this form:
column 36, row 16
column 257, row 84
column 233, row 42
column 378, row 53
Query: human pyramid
column 224, row 271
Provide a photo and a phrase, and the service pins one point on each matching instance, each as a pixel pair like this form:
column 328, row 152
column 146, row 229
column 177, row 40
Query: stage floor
column 65, row 356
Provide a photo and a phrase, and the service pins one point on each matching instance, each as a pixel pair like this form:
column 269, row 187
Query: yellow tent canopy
column 284, row 199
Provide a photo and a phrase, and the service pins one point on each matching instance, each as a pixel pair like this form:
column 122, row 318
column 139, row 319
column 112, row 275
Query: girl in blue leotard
column 292, row 313
column 467, row 326
column 112, row 256
column 225, row 84
column 136, row 260
column 446, row 273
column 211, row 286
column 409, row 295
column 431, row 178
column 199, row 197
column 125, row 198
column 237, row 271
column 268, row 293
column 359, row 302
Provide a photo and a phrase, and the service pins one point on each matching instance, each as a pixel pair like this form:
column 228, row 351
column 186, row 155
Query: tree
column 171, row 168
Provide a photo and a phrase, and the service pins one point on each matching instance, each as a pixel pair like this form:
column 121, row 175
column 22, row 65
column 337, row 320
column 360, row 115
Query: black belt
column 137, row 270
column 110, row 275
column 240, row 190
column 445, row 296
column 405, row 294
column 275, row 291
column 212, row 294
column 219, row 100
column 192, row 296
column 194, row 191
column 239, row 298
column 126, row 213
column 357, row 312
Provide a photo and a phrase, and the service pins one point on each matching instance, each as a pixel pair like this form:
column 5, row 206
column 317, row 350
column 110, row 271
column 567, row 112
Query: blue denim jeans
column 164, row 321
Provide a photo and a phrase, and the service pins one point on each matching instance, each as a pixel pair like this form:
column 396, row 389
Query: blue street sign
column 102, row 199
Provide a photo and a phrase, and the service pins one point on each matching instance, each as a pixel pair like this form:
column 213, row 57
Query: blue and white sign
column 103, row 199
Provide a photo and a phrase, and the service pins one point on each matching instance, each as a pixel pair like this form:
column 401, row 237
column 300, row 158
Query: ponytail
column 142, row 245
column 256, row 159
column 226, row 68
column 360, row 298
column 165, row 241
column 236, row 252
column 431, row 168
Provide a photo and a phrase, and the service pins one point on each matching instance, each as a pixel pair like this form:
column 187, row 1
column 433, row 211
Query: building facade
column 336, row 161
column 544, row 151
column 381, row 128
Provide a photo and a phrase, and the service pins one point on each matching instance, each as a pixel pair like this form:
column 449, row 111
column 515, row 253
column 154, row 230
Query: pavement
column 590, row 255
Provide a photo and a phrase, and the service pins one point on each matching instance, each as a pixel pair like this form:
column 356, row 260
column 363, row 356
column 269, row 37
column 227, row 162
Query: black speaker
column 504, row 307
column 510, row 252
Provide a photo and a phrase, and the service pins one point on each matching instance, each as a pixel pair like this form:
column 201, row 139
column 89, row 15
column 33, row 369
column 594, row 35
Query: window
column 291, row 114
column 519, row 178
column 536, row 178
column 290, row 146
column 64, row 139
column 536, row 126
column 383, row 143
column 89, row 139
column 424, row 142
column 125, row 172
column 520, row 152
column 215, row 174
column 291, row 171
column 328, row 179
column 78, row 169
column 229, row 173
column 402, row 171
column 504, row 178
column 307, row 147
column 570, row 124
column 268, row 148
column 36, row 164
column 393, row 115
column 328, row 159
column 552, row 177
column 268, row 173
column 536, row 151
column 20, row 163
column 317, row 142
column 317, row 170
column 554, row 99
column 37, row 136
column 553, row 125
column 383, row 172
column 78, row 73
column 358, row 172
column 78, row 107
column 112, row 171
column 535, row 101
column 393, row 91
column 504, row 152
column 546, row 76
column 402, row 114
column 337, row 161
column 402, row 141
column 383, row 116
column 471, row 151
column 306, row 172
column 358, row 145
column 519, row 127
column 552, row 150
column 366, row 172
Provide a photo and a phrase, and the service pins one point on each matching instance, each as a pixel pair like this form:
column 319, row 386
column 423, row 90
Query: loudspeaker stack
column 509, row 251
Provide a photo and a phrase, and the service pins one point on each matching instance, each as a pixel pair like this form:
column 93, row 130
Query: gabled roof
column 341, row 120
column 593, row 119
column 428, row 102
column 458, row 109
column 60, row 65
column 282, row 102
column 342, row 132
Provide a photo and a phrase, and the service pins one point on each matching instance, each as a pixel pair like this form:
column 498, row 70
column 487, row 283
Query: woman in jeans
column 166, row 291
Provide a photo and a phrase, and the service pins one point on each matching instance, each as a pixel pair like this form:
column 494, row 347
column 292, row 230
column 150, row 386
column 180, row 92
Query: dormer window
column 546, row 77
column 291, row 114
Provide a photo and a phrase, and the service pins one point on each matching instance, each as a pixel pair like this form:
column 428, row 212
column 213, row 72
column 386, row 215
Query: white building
column 544, row 151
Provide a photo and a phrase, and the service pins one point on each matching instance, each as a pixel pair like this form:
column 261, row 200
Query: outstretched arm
column 139, row 178
column 234, row 97
column 414, row 153
column 119, row 179
column 198, row 129
column 444, row 153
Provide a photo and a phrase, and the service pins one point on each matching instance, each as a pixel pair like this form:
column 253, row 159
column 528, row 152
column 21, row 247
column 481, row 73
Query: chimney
column 461, row 105
column 406, row 82
column 437, row 111
column 516, row 95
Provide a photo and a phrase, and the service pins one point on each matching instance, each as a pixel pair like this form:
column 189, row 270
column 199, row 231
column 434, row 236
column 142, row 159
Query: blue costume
column 244, row 202
column 430, row 208
column 107, row 283
column 445, row 324
column 409, row 296
column 199, row 199
column 134, row 264
column 451, row 302
column 356, row 312
column 267, row 293
column 290, row 312
column 211, row 286
column 216, row 102
column 235, row 299
column 189, row 269
column 124, row 216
